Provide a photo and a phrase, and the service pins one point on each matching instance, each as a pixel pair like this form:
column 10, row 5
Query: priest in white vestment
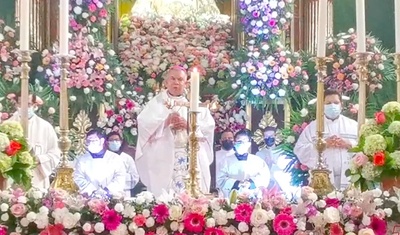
column 161, row 154
column 43, row 141
column 340, row 133
column 226, row 141
column 99, row 172
column 242, row 171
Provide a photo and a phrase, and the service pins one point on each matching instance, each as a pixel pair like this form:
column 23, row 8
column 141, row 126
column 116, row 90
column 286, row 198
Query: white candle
column 322, row 27
column 64, row 26
column 360, row 12
column 397, row 24
column 194, row 90
column 24, row 7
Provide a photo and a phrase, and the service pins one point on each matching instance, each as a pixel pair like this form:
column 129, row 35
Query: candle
column 194, row 90
column 322, row 27
column 360, row 8
column 397, row 24
column 24, row 7
column 64, row 26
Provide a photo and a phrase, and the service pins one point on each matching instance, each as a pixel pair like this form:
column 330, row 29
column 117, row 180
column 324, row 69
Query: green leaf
column 355, row 178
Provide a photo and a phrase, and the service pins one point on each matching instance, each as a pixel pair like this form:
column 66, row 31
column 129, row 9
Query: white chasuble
column 233, row 170
column 108, row 172
column 161, row 158
column 337, row 160
column 43, row 140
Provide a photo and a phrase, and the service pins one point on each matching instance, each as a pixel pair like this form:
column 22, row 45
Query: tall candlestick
column 360, row 12
column 397, row 24
column 24, row 7
column 64, row 93
column 194, row 90
column 322, row 27
column 64, row 26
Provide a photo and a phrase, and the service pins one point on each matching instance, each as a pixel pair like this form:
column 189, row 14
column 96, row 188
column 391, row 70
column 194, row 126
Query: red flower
column 3, row 230
column 283, row 224
column 243, row 212
column 379, row 159
column 332, row 202
column 287, row 210
column 119, row 119
column 139, row 220
column 380, row 117
column 336, row 229
column 194, row 223
column 111, row 219
column 214, row 231
column 160, row 213
column 13, row 148
column 378, row 225
column 57, row 229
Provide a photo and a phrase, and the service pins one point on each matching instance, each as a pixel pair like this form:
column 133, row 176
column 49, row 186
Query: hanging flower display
column 229, row 115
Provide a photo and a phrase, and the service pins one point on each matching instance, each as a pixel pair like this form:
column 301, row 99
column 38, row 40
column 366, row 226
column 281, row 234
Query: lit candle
column 397, row 24
column 64, row 26
column 360, row 12
column 194, row 90
column 322, row 27
column 24, row 7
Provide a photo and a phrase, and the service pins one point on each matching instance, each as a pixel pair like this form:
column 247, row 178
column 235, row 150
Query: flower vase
column 388, row 183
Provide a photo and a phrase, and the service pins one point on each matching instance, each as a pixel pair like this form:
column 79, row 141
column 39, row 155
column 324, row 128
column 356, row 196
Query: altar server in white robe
column 161, row 155
column 43, row 142
column 340, row 134
column 226, row 141
column 99, row 172
column 243, row 171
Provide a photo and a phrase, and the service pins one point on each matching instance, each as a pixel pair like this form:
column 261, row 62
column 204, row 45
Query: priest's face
column 176, row 82
column 242, row 144
column 333, row 106
column 94, row 143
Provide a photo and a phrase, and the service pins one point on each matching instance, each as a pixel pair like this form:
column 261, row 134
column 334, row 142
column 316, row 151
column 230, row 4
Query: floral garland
column 59, row 213
column 229, row 115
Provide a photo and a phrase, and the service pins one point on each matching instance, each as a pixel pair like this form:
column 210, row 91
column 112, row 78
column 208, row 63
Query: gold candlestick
column 362, row 59
column 397, row 63
column 64, row 177
column 25, row 69
column 320, row 180
column 193, row 179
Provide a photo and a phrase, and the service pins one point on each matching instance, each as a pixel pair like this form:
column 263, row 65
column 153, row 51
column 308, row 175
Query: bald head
column 176, row 80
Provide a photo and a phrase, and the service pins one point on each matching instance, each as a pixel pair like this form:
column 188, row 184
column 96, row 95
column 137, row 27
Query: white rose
column 42, row 220
column 24, row 222
column 119, row 207
column 86, row 90
column 122, row 229
column 388, row 212
column 150, row 222
column 51, row 110
column 259, row 217
column 140, row 200
column 99, row 227
column 174, row 226
column 331, row 215
column 4, row 207
column 243, row 227
column 146, row 213
column 140, row 231
column 72, row 98
column 175, row 212
column 366, row 231
column 210, row 223
column 69, row 221
column 303, row 112
column 31, row 216
column 4, row 217
column 87, row 227
column 320, row 203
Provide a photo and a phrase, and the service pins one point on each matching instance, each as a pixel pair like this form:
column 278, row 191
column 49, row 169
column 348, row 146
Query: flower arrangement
column 342, row 73
column 57, row 212
column 229, row 115
column 149, row 46
column 377, row 155
column 10, row 66
column 122, row 119
column 15, row 160
column 260, row 75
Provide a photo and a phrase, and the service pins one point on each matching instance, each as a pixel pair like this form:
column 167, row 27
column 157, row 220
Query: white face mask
column 31, row 112
column 95, row 147
column 241, row 148
column 332, row 111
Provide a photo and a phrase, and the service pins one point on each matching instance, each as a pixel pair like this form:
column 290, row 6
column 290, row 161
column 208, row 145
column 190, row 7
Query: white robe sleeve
column 117, row 183
column 305, row 147
column 133, row 172
column 224, row 181
column 263, row 177
column 84, row 184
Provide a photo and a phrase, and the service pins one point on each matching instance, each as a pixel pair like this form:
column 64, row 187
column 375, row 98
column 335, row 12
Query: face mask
column 269, row 141
column 95, row 147
column 227, row 144
column 115, row 145
column 332, row 111
column 31, row 112
column 241, row 148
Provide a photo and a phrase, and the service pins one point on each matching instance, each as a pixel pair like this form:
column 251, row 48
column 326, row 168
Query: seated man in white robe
column 226, row 142
column 340, row 133
column 161, row 154
column 43, row 142
column 99, row 172
column 242, row 171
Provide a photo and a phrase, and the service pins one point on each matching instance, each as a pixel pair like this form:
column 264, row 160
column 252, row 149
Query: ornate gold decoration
column 397, row 63
column 267, row 120
column 81, row 125
column 320, row 180
column 64, row 175
column 25, row 59
column 193, row 178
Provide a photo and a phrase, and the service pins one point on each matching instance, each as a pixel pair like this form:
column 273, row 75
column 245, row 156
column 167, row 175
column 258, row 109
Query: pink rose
column 18, row 210
column 360, row 159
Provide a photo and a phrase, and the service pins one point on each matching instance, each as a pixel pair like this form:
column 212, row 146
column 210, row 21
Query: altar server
column 115, row 144
column 99, row 172
column 340, row 135
column 243, row 171
column 161, row 155
column 43, row 142
column 226, row 141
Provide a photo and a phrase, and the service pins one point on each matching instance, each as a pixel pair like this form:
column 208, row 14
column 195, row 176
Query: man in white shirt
column 226, row 142
column 99, row 172
column 242, row 171
column 340, row 133
column 43, row 142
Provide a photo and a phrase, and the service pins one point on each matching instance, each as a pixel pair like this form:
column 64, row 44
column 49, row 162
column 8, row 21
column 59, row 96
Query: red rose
column 379, row 159
column 13, row 148
column 380, row 117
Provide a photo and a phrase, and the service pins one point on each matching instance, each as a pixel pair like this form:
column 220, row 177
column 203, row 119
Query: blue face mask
column 115, row 145
column 31, row 112
column 332, row 111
